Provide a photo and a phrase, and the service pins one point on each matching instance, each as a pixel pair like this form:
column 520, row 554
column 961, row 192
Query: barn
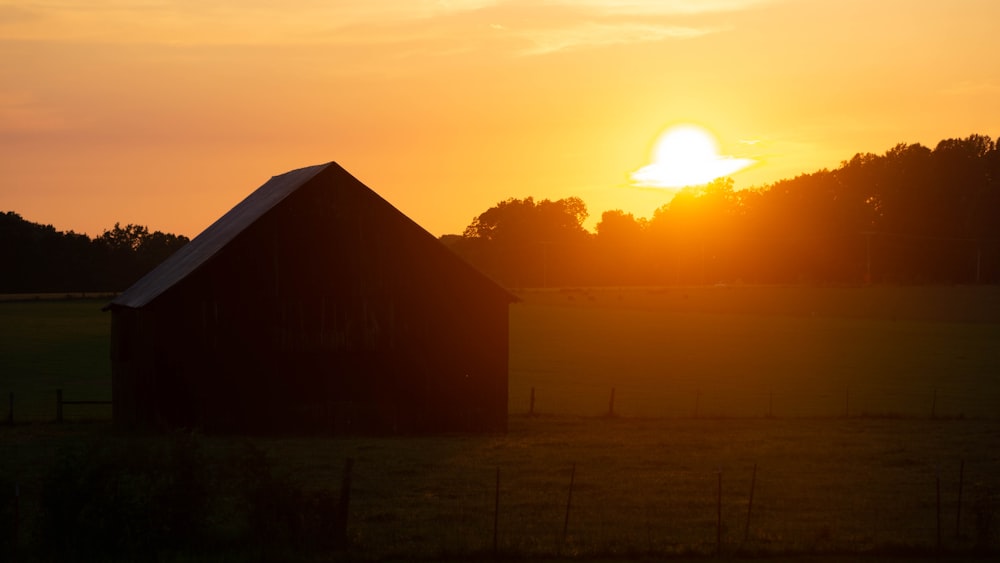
column 313, row 306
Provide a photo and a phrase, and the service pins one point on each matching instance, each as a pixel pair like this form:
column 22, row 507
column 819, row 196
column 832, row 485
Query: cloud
column 563, row 25
column 590, row 34
column 687, row 155
column 668, row 175
column 225, row 22
column 550, row 26
column 662, row 7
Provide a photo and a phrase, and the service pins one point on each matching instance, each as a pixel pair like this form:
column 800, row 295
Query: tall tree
column 621, row 250
column 524, row 243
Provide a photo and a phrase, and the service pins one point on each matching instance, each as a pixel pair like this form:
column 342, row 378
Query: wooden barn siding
column 269, row 335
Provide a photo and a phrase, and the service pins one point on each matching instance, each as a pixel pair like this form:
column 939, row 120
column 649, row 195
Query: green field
column 51, row 344
column 673, row 352
column 755, row 351
column 707, row 381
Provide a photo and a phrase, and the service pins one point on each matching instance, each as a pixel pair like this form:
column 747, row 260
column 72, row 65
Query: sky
column 167, row 113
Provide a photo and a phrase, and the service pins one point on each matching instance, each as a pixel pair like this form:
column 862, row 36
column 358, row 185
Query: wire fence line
column 874, row 401
column 53, row 405
column 581, row 517
column 580, row 511
column 503, row 495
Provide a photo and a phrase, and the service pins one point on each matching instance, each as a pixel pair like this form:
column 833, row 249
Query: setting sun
column 686, row 155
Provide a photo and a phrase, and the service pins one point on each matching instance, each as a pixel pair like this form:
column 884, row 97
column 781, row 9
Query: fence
column 866, row 402
column 582, row 511
column 619, row 487
column 752, row 401
column 733, row 511
column 714, row 487
column 42, row 406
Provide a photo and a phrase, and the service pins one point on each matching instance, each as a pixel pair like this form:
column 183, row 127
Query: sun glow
column 686, row 155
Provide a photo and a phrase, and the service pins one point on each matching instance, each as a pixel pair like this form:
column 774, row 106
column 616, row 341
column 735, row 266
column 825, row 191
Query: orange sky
column 166, row 113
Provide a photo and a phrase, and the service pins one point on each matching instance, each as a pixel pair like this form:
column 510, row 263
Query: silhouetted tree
column 129, row 252
column 910, row 215
column 37, row 258
column 524, row 243
column 621, row 250
column 693, row 232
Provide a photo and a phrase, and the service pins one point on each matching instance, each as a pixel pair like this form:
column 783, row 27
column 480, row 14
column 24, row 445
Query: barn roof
column 220, row 233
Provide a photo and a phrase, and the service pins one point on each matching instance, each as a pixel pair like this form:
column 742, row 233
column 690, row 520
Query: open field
column 758, row 351
column 54, row 344
column 670, row 352
column 696, row 371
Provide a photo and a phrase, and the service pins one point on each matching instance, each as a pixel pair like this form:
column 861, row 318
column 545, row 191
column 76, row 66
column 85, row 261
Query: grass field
column 696, row 372
column 674, row 352
column 52, row 344
column 755, row 351
column 642, row 488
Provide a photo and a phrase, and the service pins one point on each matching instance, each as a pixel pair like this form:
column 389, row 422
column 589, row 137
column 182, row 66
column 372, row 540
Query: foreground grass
column 642, row 487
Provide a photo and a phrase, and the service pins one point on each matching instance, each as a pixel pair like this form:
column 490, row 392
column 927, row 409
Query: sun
column 686, row 155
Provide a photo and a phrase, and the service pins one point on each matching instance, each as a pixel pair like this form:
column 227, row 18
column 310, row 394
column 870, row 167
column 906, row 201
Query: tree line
column 910, row 215
column 39, row 259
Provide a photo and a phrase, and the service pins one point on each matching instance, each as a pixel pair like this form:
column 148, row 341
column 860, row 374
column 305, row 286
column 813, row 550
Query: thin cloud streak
column 662, row 7
column 591, row 34
column 190, row 22
column 663, row 175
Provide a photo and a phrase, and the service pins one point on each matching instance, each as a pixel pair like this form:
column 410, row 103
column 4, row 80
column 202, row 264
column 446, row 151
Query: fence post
column 753, row 483
column 718, row 526
column 496, row 513
column 937, row 487
column 10, row 410
column 531, row 407
column 958, row 513
column 343, row 507
column 611, row 403
column 59, row 405
column 17, row 515
column 569, row 500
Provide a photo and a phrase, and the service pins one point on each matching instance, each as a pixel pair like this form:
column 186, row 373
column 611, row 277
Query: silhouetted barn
column 312, row 306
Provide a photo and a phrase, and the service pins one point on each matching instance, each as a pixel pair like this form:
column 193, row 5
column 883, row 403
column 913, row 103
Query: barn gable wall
column 327, row 314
